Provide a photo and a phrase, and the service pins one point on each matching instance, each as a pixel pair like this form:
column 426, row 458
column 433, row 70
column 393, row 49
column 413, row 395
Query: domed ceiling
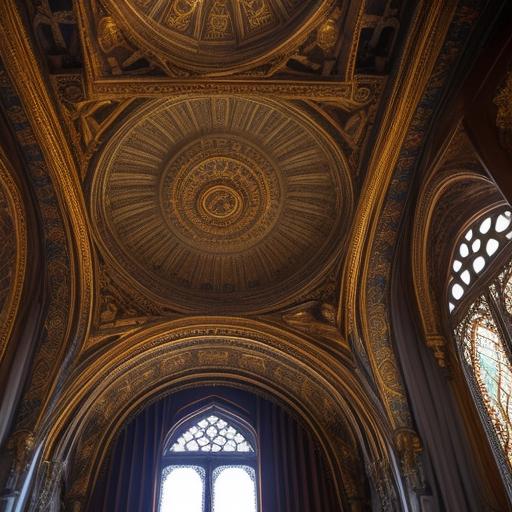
column 224, row 204
column 216, row 35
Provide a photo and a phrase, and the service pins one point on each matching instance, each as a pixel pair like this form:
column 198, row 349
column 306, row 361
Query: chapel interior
column 255, row 255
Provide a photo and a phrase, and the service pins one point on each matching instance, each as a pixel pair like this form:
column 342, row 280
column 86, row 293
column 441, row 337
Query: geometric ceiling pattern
column 212, row 35
column 225, row 204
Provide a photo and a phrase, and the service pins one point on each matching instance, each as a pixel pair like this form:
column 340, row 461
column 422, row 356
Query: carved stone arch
column 47, row 160
column 459, row 196
column 13, row 252
column 157, row 359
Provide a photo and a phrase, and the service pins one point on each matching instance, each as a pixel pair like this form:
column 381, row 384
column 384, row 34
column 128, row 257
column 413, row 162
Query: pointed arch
column 142, row 366
column 211, row 429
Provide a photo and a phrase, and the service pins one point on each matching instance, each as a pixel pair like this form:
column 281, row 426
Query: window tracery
column 484, row 334
column 212, row 434
column 486, row 357
column 208, row 464
column 476, row 250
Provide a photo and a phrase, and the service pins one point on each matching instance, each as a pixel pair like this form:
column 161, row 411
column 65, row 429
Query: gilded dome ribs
column 208, row 203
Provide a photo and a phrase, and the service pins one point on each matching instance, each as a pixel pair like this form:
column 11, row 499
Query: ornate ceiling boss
column 208, row 36
column 224, row 204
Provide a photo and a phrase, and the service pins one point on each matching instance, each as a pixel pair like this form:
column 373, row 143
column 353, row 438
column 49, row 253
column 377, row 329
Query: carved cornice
column 349, row 95
column 19, row 58
column 13, row 262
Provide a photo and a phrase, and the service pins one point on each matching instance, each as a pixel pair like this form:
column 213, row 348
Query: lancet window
column 480, row 306
column 209, row 464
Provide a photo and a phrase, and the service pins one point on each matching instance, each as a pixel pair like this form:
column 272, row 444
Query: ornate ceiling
column 219, row 144
column 218, row 157
column 214, row 36
column 230, row 204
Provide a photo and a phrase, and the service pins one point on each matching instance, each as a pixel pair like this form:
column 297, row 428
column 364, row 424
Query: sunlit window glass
column 183, row 489
column 475, row 251
column 212, row 434
column 234, row 489
column 208, row 464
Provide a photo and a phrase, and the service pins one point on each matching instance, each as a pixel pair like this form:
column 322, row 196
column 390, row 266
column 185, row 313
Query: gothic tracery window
column 474, row 252
column 480, row 304
column 209, row 464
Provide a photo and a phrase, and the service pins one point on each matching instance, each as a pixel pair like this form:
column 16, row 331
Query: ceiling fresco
column 225, row 204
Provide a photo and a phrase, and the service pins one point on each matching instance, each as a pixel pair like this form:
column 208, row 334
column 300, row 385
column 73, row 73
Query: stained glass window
column 209, row 465
column 480, row 300
column 480, row 244
column 485, row 354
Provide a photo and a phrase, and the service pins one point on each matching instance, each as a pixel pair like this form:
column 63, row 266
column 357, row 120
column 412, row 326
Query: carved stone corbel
column 409, row 448
column 315, row 319
column 438, row 346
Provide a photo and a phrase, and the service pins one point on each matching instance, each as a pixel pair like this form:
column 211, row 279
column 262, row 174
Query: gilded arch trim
column 172, row 353
column 46, row 138
column 17, row 214
column 428, row 305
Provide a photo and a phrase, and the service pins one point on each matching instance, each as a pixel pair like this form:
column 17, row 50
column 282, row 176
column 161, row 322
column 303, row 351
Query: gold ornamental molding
column 214, row 35
column 122, row 61
column 429, row 305
column 349, row 95
column 428, row 30
column 194, row 38
column 13, row 252
column 164, row 357
column 221, row 204
column 22, row 65
column 452, row 183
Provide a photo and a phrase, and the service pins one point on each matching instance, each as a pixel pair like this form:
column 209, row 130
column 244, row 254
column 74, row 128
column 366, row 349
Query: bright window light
column 466, row 277
column 503, row 222
column 478, row 264
column 182, row 489
column 234, row 489
column 457, row 291
column 492, row 246
column 209, row 465
column 486, row 225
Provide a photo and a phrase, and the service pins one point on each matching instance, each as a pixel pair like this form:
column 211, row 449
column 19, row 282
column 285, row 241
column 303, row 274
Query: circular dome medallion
column 225, row 204
column 210, row 35
column 220, row 203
